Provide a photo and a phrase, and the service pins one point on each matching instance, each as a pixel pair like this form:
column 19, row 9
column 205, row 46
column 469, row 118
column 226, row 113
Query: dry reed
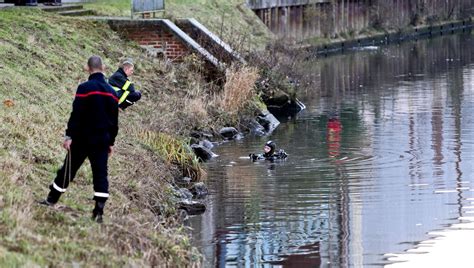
column 239, row 89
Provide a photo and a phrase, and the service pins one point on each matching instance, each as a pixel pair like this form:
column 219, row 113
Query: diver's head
column 269, row 147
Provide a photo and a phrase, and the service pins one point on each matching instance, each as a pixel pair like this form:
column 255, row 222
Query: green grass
column 229, row 19
column 111, row 7
column 175, row 151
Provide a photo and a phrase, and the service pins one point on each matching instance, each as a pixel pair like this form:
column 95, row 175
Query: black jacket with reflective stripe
column 118, row 80
column 94, row 116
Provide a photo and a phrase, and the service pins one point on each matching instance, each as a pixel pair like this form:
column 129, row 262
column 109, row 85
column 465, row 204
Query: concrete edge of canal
column 414, row 33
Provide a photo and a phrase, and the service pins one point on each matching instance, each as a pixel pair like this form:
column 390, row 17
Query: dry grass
column 198, row 109
column 239, row 89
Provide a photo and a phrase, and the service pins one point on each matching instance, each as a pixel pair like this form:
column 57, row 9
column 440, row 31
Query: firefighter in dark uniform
column 91, row 132
column 125, row 89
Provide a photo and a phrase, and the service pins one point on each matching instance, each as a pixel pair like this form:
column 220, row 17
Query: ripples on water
column 400, row 167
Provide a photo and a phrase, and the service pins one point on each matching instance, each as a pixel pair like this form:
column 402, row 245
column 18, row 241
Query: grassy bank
column 42, row 59
column 229, row 19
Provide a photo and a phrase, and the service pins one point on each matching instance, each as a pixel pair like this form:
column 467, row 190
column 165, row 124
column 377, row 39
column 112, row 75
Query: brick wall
column 154, row 37
column 162, row 36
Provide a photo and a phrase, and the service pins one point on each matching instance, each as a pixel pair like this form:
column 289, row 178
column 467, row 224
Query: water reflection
column 334, row 128
column 381, row 156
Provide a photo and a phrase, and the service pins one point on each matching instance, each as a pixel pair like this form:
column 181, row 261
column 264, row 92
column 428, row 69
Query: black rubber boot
column 52, row 199
column 98, row 211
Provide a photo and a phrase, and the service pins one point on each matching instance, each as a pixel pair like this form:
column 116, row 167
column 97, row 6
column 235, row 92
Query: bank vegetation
column 42, row 63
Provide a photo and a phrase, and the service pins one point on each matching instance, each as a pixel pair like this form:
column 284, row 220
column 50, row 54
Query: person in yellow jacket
column 123, row 86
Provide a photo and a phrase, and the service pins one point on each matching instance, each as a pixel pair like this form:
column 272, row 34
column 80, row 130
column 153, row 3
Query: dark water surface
column 396, row 163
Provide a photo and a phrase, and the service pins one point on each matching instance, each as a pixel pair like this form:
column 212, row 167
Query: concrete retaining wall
column 153, row 35
column 304, row 19
column 76, row 1
column 211, row 42
column 162, row 37
column 262, row 4
column 322, row 19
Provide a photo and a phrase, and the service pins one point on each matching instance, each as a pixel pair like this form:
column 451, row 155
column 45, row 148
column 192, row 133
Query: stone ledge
column 212, row 39
column 2, row 5
column 391, row 37
column 263, row 4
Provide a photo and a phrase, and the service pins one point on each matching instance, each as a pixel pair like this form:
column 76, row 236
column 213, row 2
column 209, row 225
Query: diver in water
column 270, row 153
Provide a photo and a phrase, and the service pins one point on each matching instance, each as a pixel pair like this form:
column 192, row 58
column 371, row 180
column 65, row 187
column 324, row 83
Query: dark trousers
column 131, row 99
column 98, row 156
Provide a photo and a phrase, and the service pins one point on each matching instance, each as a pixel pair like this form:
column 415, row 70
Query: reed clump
column 239, row 89
column 175, row 151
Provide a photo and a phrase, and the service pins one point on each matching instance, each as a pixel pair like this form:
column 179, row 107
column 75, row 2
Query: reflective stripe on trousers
column 105, row 195
column 125, row 89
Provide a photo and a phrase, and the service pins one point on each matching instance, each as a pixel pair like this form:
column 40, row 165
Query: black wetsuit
column 271, row 156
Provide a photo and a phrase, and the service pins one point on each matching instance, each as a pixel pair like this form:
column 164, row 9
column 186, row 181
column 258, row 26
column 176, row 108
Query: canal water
column 383, row 155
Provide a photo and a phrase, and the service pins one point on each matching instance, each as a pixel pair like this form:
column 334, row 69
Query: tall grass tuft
column 239, row 89
column 175, row 151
